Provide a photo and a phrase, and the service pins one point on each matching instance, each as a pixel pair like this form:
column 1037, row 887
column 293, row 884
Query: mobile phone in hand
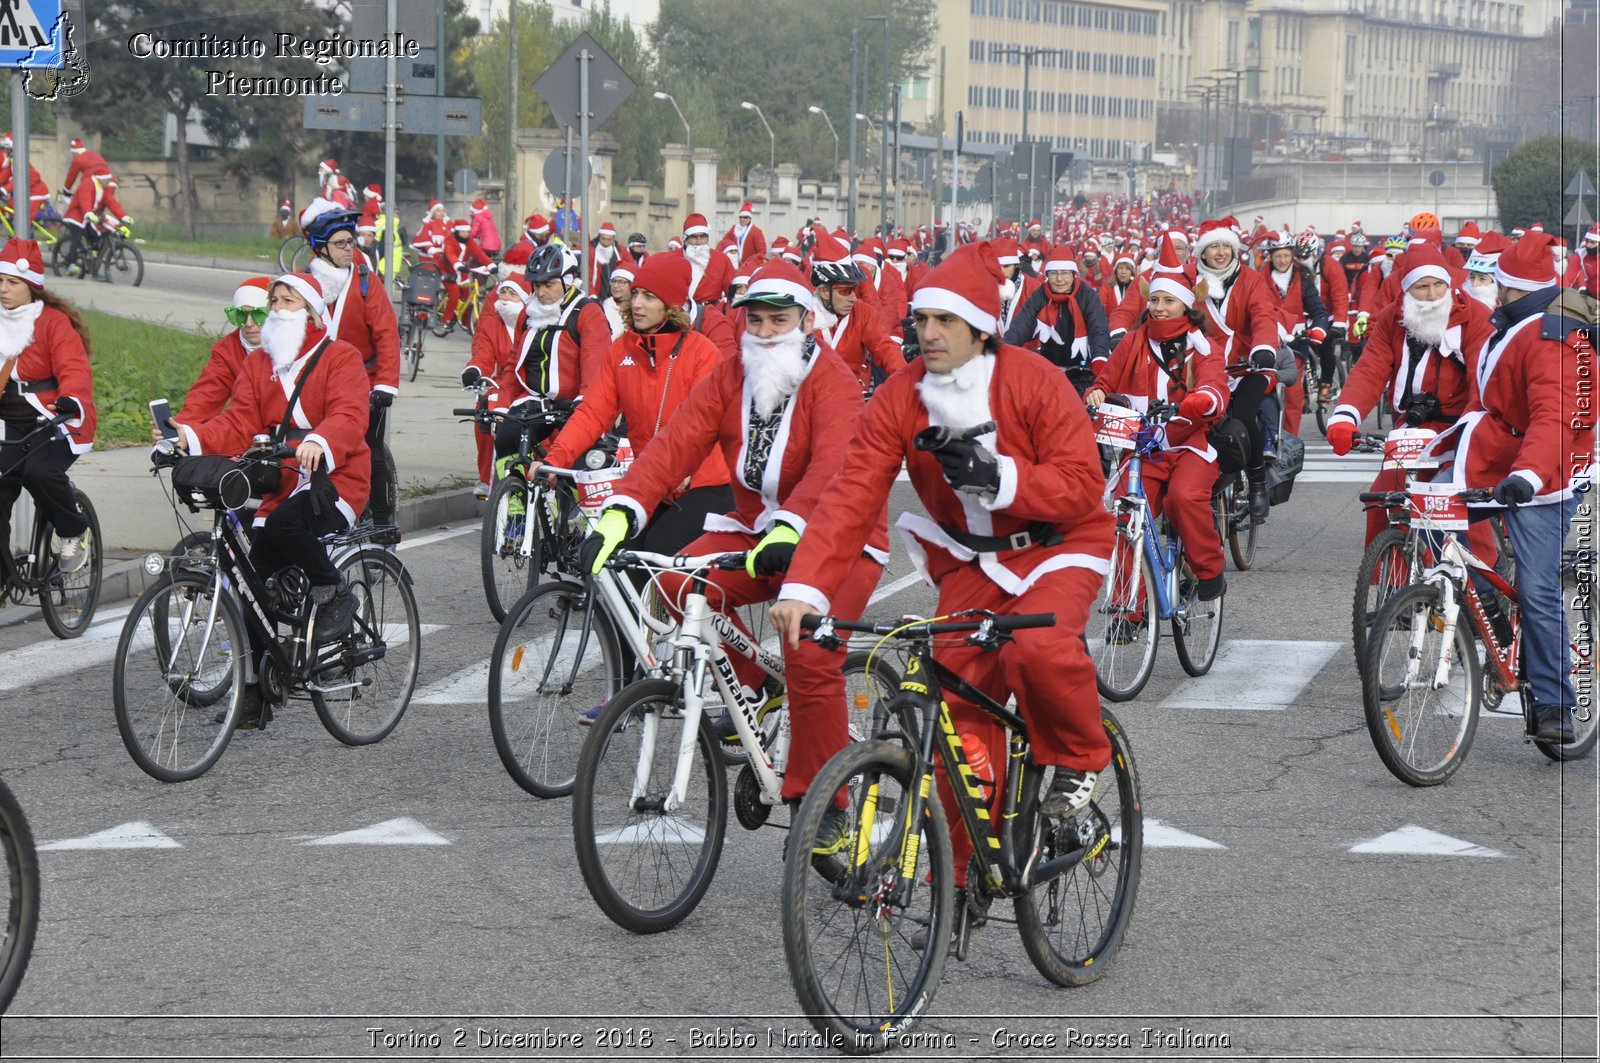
column 161, row 414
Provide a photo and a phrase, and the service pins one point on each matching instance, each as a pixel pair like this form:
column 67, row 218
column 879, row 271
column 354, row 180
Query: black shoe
column 833, row 834
column 336, row 615
column 1213, row 588
column 389, row 536
column 255, row 713
column 1260, row 504
column 1555, row 725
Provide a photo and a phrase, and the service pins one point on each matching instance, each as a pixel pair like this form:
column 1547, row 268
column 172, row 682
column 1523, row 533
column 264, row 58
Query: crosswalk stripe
column 1254, row 675
column 401, row 831
column 1412, row 839
column 135, row 835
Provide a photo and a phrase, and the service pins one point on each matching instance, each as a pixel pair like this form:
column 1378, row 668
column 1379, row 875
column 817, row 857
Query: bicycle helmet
column 1307, row 245
column 1424, row 220
column 323, row 226
column 637, row 240
column 1276, row 241
column 842, row 272
column 1394, row 245
column 549, row 262
column 1358, row 240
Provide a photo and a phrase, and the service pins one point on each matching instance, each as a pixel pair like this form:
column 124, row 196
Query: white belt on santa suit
column 919, row 532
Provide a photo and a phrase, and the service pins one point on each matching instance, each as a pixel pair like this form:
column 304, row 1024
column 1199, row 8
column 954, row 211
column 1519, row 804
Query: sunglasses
column 238, row 315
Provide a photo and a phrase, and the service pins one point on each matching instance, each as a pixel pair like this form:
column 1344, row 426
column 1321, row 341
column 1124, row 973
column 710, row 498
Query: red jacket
column 1049, row 474
column 1244, row 316
column 1297, row 311
column 1335, row 291
column 460, row 257
column 332, row 411
column 1121, row 316
column 86, row 163
column 575, row 362
column 429, row 241
column 753, row 251
column 367, row 323
column 209, row 393
column 1134, row 369
column 893, row 302
column 859, row 339
column 645, row 379
column 713, row 324
column 1447, row 371
column 494, row 354
column 808, row 449
column 37, row 189
column 55, row 364
column 1583, row 273
column 715, row 281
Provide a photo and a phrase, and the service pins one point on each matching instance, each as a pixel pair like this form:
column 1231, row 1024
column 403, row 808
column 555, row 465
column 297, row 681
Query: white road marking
column 1254, row 675
column 438, row 537
column 661, row 829
column 894, row 588
column 135, row 835
column 401, row 831
column 1158, row 835
column 1354, row 476
column 1412, row 839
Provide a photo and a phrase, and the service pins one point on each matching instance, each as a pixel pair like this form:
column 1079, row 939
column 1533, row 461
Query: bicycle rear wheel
column 287, row 252
column 1196, row 625
column 408, row 349
column 1123, row 630
column 21, row 863
column 848, row 942
column 1241, row 530
column 201, row 644
column 645, row 865
column 68, row 599
column 364, row 683
column 1579, row 595
column 1073, row 918
column 1421, row 731
column 1385, row 568
column 509, row 545
column 548, row 670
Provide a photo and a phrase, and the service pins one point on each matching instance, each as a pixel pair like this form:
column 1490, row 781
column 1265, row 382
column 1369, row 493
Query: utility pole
column 511, row 118
column 850, row 211
column 439, row 80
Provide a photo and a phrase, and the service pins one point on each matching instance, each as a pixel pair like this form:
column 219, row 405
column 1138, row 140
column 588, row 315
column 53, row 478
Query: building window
column 1102, row 18
column 1083, row 103
column 1014, row 9
column 1083, row 60
column 1051, row 14
column 1116, row 64
column 974, row 96
column 975, row 51
column 992, row 97
column 1085, row 17
column 1064, row 102
column 1099, row 62
column 1033, row 10
column 1013, row 99
column 1118, row 21
column 1115, row 108
column 977, row 7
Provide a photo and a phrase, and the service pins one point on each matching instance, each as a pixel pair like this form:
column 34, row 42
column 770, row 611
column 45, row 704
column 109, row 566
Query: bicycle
column 186, row 643
column 46, row 222
column 420, row 301
column 104, row 252
column 527, row 526
column 1394, row 554
column 1421, row 686
column 1322, row 406
column 867, row 932
column 294, row 254
column 650, row 796
column 21, row 862
column 1132, row 598
column 1230, row 507
column 67, row 600
column 469, row 308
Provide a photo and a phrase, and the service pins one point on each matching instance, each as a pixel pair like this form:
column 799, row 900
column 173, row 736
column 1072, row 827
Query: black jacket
column 1025, row 322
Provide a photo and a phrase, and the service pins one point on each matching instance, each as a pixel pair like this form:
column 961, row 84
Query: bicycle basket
column 425, row 285
column 212, row 481
column 1281, row 473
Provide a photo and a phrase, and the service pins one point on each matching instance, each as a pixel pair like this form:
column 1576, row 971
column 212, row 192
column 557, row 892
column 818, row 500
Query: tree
column 1530, row 183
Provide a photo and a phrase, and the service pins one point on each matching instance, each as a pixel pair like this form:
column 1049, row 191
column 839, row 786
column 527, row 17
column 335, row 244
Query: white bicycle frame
column 1448, row 575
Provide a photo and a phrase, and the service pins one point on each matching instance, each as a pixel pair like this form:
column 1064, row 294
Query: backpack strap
column 283, row 429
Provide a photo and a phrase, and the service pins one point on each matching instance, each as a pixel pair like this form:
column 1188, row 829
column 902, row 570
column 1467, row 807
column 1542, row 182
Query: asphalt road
column 1259, row 933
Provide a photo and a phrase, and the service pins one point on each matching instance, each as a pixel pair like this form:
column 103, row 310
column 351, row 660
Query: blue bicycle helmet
column 323, row 226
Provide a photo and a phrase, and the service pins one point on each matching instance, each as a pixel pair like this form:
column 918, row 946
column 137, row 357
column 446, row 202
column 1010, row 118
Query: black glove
column 1513, row 491
column 382, row 400
column 470, row 376
column 68, row 406
column 969, row 467
column 774, row 560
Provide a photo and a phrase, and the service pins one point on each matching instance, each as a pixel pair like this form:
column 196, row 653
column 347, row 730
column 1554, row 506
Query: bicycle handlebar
column 918, row 629
column 729, row 561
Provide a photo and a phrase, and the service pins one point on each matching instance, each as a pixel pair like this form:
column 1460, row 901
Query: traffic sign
column 33, row 33
column 418, row 77
column 609, row 85
column 555, row 172
column 415, row 20
column 1580, row 185
column 1579, row 215
column 466, row 181
column 1436, row 178
column 362, row 112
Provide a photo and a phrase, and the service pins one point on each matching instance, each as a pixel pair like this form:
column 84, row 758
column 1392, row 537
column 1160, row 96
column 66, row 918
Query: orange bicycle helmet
column 1424, row 220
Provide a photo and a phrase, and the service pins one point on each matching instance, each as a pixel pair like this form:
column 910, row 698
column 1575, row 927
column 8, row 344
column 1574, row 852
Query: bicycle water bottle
column 978, row 760
column 780, row 745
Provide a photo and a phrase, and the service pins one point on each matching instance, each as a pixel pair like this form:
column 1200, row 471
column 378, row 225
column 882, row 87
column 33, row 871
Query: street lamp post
column 1028, row 56
column 850, row 210
column 883, row 167
column 772, row 166
column 818, row 110
column 688, row 136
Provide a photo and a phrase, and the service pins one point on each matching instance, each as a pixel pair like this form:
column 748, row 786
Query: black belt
column 296, row 435
column 1038, row 534
column 33, row 387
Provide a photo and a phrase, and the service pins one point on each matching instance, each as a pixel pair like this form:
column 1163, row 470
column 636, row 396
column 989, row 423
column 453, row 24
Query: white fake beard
column 773, row 367
column 507, row 312
column 16, row 328
column 1425, row 322
column 824, row 319
column 899, row 266
column 332, row 278
column 960, row 398
column 1385, row 266
column 542, row 316
column 1487, row 294
column 283, row 335
column 699, row 255
column 1280, row 281
column 1008, row 291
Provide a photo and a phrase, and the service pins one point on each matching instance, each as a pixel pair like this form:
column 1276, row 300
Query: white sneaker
column 72, row 554
column 1069, row 792
column 481, row 491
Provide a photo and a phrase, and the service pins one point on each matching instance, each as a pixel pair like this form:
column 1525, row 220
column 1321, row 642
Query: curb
column 128, row 579
column 171, row 258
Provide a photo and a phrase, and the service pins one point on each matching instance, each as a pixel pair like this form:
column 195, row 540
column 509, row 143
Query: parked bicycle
column 66, row 599
column 21, row 863
column 867, row 932
column 45, row 227
column 650, row 795
column 294, row 254
column 1422, row 684
column 185, row 647
column 1150, row 579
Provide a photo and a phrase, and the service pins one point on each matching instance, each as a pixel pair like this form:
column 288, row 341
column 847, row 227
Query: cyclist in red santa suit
column 1017, row 525
column 495, row 348
column 842, row 322
column 1302, row 318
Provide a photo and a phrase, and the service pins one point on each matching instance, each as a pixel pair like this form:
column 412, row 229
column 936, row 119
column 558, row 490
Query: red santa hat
column 1593, row 235
column 6, row 141
column 317, row 208
column 899, row 247
column 77, row 145
column 536, row 224
column 1167, row 274
column 517, row 255
column 1216, row 231
column 373, row 192
column 21, row 259
column 1061, row 258
column 867, row 253
column 607, row 229
column 966, row 284
column 1034, row 224
column 779, row 284
column 623, row 273
column 778, row 245
column 830, row 248
column 1421, row 261
column 309, row 289
column 666, row 277
column 674, row 244
column 252, row 293
column 1536, row 227
column 1527, row 265
column 518, row 284
column 479, row 206
column 1470, row 234
column 1124, row 260
column 695, row 225
column 1007, row 252
column 328, row 166
column 460, row 223
column 746, row 210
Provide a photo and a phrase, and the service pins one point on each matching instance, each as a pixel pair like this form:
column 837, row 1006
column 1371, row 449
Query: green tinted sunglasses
column 237, row 315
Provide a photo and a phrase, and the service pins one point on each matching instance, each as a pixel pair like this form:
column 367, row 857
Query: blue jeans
column 1537, row 533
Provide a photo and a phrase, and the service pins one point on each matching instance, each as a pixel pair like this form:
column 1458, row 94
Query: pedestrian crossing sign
column 33, row 34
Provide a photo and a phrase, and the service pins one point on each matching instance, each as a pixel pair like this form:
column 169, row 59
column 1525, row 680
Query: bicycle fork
column 1451, row 614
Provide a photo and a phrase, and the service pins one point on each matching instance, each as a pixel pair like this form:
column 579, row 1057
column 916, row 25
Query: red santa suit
column 460, row 259
column 331, row 411
column 430, row 238
column 714, row 325
column 495, row 346
column 1300, row 313
column 53, row 365
column 748, row 240
column 209, row 393
column 1243, row 318
column 96, row 186
column 558, row 361
column 860, row 341
column 38, row 191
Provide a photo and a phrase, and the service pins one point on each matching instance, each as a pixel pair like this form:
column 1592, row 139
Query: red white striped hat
column 966, row 284
column 21, row 259
column 309, row 289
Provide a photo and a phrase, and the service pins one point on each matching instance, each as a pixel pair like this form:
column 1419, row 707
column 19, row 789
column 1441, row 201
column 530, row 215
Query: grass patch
column 134, row 362
column 169, row 238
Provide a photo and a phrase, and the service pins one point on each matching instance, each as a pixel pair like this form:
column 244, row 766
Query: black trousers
column 382, row 500
column 42, row 469
column 1245, row 404
column 289, row 537
column 678, row 523
column 509, row 435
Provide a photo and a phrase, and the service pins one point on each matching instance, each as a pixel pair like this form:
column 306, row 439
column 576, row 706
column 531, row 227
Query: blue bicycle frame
column 1163, row 554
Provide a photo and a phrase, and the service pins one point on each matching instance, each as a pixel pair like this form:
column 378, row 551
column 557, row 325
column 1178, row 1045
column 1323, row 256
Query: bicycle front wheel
column 1074, row 917
column 179, row 637
column 21, row 863
column 1579, row 595
column 1421, row 724
column 1196, row 625
column 549, row 671
column 848, row 937
column 645, row 864
column 287, row 252
column 408, row 349
column 125, row 265
column 1385, row 568
column 364, row 683
column 508, row 547
column 1123, row 629
column 68, row 599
